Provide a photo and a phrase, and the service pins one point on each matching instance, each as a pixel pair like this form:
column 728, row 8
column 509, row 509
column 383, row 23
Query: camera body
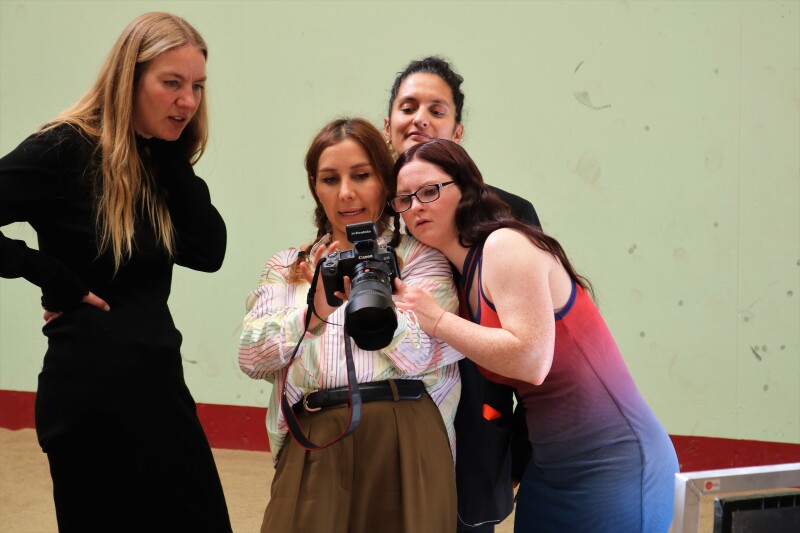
column 366, row 261
column 369, row 317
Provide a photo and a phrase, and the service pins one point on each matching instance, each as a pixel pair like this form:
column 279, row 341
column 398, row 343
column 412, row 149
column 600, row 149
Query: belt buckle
column 305, row 402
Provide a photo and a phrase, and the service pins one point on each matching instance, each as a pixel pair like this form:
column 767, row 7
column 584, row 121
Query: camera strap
column 352, row 383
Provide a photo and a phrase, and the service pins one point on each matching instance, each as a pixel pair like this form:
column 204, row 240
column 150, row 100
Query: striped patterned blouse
column 274, row 323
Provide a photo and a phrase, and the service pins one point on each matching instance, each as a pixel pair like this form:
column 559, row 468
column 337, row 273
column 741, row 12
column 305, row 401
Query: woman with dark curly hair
column 426, row 102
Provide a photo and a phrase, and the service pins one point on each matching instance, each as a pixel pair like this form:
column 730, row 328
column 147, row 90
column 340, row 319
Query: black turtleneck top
column 49, row 181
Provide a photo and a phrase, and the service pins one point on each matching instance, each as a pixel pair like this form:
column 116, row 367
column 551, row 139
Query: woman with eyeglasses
column 426, row 102
column 394, row 473
column 602, row 462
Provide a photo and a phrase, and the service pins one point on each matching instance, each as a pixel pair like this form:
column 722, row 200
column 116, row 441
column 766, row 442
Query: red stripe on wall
column 234, row 427
column 226, row 426
column 16, row 409
column 243, row 428
column 709, row 453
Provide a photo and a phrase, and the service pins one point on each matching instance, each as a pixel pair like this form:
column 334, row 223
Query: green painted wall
column 659, row 141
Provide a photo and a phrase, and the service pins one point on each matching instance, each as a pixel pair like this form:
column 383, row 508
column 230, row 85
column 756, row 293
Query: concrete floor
column 26, row 504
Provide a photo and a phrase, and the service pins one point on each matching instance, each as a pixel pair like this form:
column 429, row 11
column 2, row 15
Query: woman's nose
column 188, row 99
column 421, row 119
column 345, row 190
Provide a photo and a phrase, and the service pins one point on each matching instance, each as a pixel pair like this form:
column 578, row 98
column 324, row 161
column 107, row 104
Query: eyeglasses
column 425, row 194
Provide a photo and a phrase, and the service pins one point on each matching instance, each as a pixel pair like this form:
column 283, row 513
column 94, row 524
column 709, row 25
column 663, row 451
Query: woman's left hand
column 421, row 302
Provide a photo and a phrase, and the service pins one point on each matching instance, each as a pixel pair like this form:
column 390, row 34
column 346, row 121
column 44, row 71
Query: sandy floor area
column 26, row 504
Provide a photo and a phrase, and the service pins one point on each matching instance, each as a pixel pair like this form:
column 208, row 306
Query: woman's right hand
column 91, row 299
column 321, row 308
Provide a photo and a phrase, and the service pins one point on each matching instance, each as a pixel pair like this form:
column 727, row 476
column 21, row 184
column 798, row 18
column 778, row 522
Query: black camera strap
column 352, row 383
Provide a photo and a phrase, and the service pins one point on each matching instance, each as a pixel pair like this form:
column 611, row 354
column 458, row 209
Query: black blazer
column 521, row 208
column 489, row 454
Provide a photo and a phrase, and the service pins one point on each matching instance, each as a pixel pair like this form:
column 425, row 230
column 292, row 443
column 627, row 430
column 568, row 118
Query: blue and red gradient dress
column 601, row 461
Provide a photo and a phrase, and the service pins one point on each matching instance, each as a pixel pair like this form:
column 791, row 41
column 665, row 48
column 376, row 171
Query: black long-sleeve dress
column 113, row 412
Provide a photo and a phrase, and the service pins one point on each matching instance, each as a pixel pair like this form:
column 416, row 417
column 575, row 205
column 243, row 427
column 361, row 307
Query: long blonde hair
column 105, row 114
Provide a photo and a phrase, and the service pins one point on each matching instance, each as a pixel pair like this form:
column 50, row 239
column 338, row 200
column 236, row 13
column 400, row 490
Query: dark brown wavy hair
column 373, row 143
column 480, row 211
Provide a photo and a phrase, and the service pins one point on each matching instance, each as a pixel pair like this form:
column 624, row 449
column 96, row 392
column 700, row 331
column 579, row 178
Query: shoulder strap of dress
column 470, row 267
column 472, row 264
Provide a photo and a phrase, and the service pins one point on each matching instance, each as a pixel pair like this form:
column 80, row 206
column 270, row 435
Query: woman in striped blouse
column 395, row 472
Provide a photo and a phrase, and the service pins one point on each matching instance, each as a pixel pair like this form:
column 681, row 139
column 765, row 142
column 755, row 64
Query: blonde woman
column 109, row 188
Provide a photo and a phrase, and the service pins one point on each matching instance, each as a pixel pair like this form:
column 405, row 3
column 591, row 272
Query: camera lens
column 369, row 317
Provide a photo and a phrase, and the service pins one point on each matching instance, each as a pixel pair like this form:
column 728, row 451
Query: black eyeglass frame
column 414, row 195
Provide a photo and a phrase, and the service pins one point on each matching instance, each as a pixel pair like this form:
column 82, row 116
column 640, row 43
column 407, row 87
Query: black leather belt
column 373, row 391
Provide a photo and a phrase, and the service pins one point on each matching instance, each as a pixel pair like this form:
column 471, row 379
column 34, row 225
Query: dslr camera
column 370, row 317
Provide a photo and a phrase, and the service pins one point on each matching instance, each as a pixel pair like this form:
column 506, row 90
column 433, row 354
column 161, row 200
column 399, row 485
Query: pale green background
column 659, row 141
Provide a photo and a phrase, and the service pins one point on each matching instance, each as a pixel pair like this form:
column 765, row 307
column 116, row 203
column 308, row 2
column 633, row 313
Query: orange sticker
column 490, row 413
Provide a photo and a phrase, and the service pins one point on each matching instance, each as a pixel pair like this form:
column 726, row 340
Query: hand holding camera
column 321, row 307
column 369, row 316
column 424, row 305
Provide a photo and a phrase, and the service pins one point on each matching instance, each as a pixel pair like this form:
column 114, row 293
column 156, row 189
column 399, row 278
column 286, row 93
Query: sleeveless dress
column 602, row 462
